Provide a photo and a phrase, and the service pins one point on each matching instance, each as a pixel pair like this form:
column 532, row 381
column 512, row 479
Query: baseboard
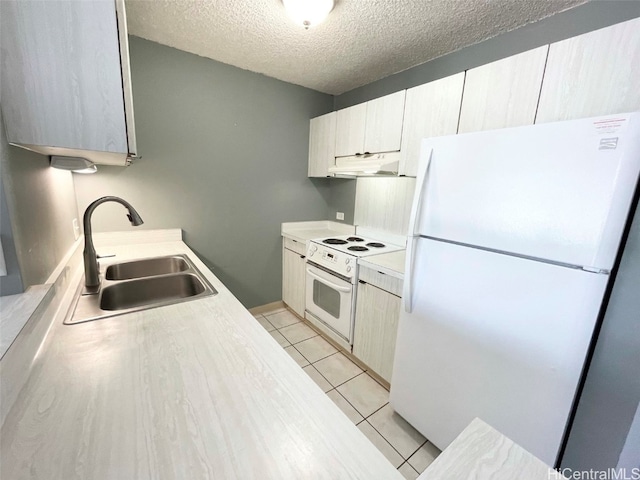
column 269, row 307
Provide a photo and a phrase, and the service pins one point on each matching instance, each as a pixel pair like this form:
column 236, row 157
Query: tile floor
column 358, row 395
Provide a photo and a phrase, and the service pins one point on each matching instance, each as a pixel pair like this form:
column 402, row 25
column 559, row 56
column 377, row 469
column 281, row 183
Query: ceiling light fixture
column 74, row 164
column 308, row 13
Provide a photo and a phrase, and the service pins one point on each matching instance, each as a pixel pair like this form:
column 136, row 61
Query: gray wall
column 41, row 205
column 342, row 198
column 584, row 18
column 612, row 390
column 225, row 156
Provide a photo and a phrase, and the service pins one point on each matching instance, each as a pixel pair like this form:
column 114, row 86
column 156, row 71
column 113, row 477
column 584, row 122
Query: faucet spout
column 91, row 270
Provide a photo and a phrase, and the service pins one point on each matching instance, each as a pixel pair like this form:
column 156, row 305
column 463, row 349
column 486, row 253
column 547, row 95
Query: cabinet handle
column 302, row 256
column 362, row 282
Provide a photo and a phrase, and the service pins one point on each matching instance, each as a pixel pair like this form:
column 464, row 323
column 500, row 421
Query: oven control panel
column 330, row 257
column 338, row 262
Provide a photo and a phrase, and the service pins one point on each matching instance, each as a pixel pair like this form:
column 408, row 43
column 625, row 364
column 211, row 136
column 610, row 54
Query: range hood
column 366, row 165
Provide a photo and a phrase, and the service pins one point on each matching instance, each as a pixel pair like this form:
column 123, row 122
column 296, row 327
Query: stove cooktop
column 339, row 254
column 357, row 245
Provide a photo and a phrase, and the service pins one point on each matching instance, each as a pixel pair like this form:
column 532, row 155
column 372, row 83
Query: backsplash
column 384, row 203
column 41, row 205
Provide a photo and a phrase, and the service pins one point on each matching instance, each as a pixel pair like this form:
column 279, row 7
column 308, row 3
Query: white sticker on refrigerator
column 610, row 126
column 608, row 143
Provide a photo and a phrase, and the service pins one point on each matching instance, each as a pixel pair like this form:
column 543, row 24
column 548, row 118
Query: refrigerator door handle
column 421, row 181
column 407, row 287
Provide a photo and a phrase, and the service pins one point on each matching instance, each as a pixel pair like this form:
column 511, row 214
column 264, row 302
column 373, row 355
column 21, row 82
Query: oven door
column 329, row 298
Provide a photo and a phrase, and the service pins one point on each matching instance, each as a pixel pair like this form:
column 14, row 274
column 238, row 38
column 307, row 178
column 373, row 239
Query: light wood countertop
column 389, row 263
column 189, row 391
column 482, row 453
column 15, row 311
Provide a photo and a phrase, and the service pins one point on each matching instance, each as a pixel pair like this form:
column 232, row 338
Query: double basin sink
column 140, row 285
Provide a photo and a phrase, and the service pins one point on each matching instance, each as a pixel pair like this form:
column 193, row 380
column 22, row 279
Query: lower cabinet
column 376, row 327
column 293, row 277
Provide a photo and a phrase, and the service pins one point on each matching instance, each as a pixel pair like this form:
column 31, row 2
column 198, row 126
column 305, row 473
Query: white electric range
column 331, row 276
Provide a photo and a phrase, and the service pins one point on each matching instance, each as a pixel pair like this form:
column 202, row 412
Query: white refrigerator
column 513, row 235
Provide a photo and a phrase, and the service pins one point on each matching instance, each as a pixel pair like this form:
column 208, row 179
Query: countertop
column 193, row 390
column 15, row 311
column 389, row 263
column 305, row 231
column 481, row 452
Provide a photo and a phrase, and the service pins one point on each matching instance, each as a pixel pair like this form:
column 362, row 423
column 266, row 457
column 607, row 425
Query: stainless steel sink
column 150, row 290
column 140, row 285
column 146, row 268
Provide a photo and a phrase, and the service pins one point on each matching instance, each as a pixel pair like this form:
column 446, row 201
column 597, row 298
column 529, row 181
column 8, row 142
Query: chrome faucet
column 91, row 269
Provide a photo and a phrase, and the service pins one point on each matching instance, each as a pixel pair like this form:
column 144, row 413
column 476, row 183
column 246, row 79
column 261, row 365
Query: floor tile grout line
column 377, row 410
column 383, row 437
column 348, row 380
column 402, row 456
column 300, row 340
column 332, row 387
column 406, row 462
column 351, row 404
column 311, row 363
column 385, row 404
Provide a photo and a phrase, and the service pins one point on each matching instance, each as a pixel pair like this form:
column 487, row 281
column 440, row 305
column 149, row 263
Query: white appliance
column 370, row 164
column 332, row 272
column 513, row 234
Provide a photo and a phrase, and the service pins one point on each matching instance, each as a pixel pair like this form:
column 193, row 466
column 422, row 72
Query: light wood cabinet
column 293, row 278
column 383, row 129
column 431, row 110
column 350, row 129
column 370, row 127
column 504, row 93
column 597, row 73
column 65, row 83
column 322, row 144
column 376, row 328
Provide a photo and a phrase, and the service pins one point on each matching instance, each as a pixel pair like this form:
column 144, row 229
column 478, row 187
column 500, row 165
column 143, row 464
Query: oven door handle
column 328, row 283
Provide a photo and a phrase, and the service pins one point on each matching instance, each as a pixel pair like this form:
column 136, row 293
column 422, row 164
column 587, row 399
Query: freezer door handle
column 421, row 180
column 407, row 288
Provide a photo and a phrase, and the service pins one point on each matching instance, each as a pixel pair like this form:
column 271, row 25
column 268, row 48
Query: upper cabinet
column 350, row 129
column 597, row 73
column 383, row 129
column 431, row 110
column 66, row 86
column 371, row 127
column 322, row 144
column 504, row 93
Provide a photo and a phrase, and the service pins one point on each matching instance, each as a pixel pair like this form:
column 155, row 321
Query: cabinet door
column 504, row 93
column 62, row 83
column 430, row 110
column 383, row 126
column 597, row 73
column 322, row 144
column 376, row 327
column 293, row 280
column 350, row 127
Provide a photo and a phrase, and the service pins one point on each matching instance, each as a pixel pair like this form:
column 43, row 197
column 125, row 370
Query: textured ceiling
column 360, row 42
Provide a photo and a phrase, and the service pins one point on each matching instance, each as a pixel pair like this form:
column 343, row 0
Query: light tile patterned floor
column 357, row 394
